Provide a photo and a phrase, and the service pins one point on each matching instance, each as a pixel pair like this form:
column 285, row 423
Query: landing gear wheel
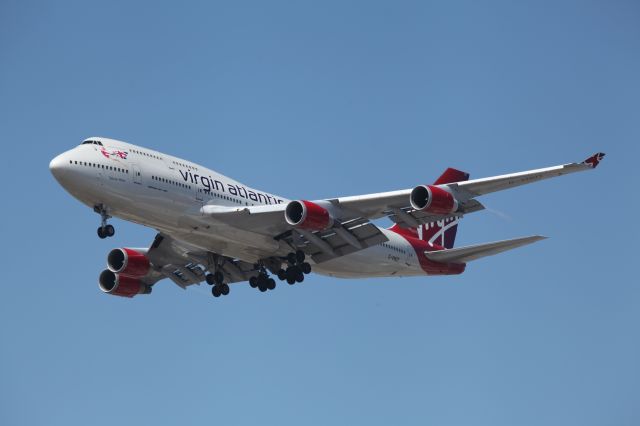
column 209, row 279
column 306, row 268
column 300, row 256
column 215, row 290
column 224, row 289
column 299, row 276
column 253, row 282
column 104, row 230
column 218, row 277
column 101, row 233
column 282, row 275
column 262, row 282
column 291, row 273
column 291, row 258
column 271, row 284
column 291, row 281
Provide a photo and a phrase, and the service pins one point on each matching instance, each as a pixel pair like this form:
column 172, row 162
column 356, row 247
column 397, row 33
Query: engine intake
column 121, row 285
column 307, row 215
column 129, row 262
column 433, row 199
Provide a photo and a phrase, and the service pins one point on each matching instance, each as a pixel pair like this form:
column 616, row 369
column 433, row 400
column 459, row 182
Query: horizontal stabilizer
column 469, row 253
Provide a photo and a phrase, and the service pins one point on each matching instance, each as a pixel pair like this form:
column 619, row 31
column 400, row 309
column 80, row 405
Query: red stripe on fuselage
column 428, row 266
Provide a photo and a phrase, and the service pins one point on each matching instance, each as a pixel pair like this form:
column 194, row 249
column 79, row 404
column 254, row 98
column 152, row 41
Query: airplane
column 214, row 229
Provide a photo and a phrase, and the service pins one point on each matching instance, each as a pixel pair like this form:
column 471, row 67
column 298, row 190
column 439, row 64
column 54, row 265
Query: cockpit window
column 90, row 142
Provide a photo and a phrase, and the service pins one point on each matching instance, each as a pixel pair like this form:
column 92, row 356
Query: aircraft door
column 136, row 174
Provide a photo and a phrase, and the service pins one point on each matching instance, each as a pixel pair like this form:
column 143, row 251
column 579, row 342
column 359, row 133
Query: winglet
column 594, row 160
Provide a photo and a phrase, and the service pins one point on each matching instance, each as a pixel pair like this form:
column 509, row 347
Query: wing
column 335, row 227
column 474, row 188
column 478, row 251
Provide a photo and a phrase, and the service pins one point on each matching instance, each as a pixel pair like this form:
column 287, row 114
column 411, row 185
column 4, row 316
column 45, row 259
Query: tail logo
column 438, row 230
column 594, row 160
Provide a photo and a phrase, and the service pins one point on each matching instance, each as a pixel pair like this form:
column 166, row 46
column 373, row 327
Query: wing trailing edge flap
column 469, row 253
column 342, row 239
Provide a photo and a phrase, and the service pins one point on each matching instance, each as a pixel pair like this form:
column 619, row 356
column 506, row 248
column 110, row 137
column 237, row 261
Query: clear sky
column 313, row 100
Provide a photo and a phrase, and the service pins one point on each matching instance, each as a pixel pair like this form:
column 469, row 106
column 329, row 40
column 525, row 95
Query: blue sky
column 313, row 100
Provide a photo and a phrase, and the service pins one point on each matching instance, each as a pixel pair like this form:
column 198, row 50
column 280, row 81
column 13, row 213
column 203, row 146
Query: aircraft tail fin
column 443, row 232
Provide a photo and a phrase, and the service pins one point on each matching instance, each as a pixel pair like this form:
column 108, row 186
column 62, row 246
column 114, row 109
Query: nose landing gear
column 105, row 230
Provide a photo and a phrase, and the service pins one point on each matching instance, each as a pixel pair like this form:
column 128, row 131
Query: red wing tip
column 594, row 160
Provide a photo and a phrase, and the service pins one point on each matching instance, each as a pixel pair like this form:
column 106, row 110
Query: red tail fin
column 442, row 232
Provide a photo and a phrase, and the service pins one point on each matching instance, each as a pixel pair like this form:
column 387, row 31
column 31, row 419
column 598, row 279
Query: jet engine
column 433, row 199
column 121, row 285
column 128, row 262
column 126, row 267
column 307, row 215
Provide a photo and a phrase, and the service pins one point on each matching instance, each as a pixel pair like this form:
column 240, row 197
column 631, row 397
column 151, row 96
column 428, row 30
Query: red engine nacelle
column 121, row 285
column 129, row 262
column 307, row 215
column 433, row 199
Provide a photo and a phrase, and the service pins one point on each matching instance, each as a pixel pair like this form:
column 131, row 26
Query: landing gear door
column 137, row 174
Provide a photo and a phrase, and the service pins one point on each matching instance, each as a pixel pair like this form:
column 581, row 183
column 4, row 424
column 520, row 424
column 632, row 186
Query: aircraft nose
column 58, row 165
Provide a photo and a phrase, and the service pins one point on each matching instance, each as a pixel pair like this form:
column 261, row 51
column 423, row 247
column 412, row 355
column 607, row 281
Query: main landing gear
column 296, row 270
column 262, row 281
column 105, row 230
column 220, row 288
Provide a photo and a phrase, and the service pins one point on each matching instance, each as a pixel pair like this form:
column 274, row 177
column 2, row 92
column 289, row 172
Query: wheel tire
column 300, row 256
column 109, row 230
column 282, row 275
column 218, row 276
column 224, row 289
column 291, row 281
column 299, row 277
column 101, row 233
column 262, row 287
column 271, row 284
column 261, row 281
column 291, row 272
column 306, row 268
column 215, row 290
column 291, row 258
column 253, row 282
column 209, row 279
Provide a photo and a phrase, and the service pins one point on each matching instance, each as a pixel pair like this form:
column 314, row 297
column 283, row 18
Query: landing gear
column 297, row 268
column 262, row 281
column 215, row 278
column 105, row 230
column 220, row 290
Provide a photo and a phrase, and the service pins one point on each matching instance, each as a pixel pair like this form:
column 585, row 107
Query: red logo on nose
column 115, row 153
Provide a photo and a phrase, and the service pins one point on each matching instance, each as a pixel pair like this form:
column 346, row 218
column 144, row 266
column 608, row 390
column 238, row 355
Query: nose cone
column 58, row 166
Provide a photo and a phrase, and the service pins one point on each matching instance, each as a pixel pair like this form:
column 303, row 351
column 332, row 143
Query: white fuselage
column 167, row 193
